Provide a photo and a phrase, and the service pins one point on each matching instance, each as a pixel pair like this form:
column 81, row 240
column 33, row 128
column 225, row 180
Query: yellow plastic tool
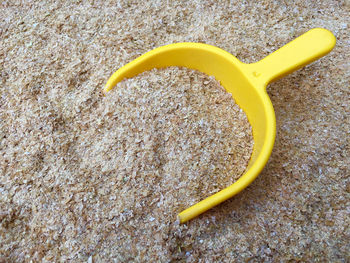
column 246, row 82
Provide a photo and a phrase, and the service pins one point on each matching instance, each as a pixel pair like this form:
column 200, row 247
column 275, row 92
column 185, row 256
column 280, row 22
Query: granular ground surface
column 155, row 145
column 55, row 58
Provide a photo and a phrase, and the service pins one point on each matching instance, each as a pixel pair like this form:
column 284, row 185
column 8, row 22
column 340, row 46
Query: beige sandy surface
column 54, row 60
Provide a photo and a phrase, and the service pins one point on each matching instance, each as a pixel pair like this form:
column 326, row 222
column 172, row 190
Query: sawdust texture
column 55, row 57
column 179, row 130
column 155, row 145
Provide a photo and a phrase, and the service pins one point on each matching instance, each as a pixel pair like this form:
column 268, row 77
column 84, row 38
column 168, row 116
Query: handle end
column 325, row 36
column 303, row 50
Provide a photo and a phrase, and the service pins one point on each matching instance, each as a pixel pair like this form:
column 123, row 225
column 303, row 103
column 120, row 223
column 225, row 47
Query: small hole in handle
column 256, row 74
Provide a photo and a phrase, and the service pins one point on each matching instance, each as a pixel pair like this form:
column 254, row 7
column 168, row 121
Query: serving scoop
column 246, row 82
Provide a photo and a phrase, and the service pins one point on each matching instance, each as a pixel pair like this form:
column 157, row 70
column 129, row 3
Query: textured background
column 297, row 209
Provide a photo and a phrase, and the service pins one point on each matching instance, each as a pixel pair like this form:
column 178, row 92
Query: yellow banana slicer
column 246, row 82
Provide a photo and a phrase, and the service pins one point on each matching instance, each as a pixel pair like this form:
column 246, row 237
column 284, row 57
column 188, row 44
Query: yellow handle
column 301, row 51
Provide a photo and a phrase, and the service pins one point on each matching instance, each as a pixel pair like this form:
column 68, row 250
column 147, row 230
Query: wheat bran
column 55, row 57
column 155, row 145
